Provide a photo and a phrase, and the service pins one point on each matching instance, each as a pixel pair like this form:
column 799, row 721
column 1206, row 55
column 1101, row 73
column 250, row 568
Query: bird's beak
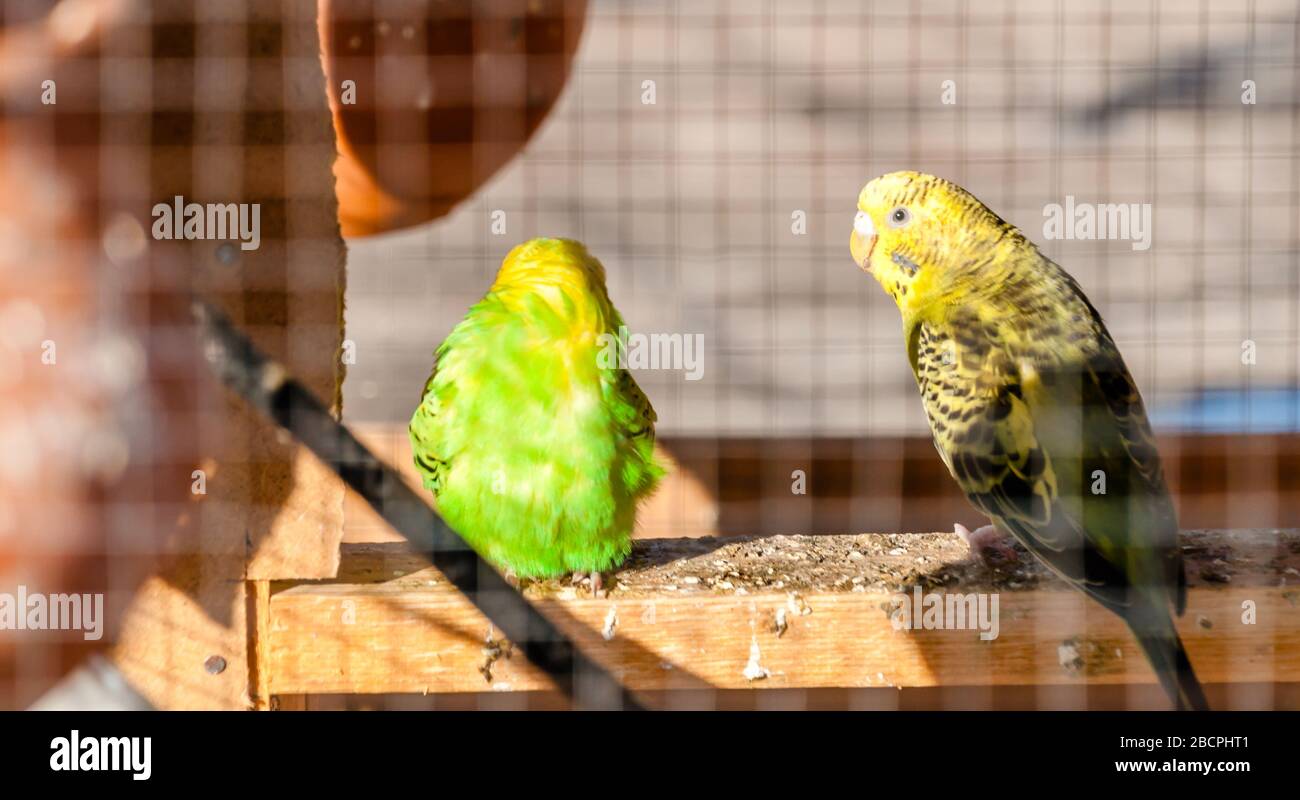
column 862, row 241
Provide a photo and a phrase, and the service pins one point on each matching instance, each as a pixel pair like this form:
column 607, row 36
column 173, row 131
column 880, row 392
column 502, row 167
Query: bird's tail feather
column 1156, row 634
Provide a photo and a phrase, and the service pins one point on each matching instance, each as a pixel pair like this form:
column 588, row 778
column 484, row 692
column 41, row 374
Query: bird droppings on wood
column 1070, row 658
column 611, row 624
column 754, row 670
column 494, row 649
column 1080, row 655
column 797, row 605
column 779, row 623
column 1217, row 571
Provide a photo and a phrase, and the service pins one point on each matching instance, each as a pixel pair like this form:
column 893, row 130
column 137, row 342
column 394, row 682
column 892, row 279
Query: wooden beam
column 782, row 612
column 259, row 642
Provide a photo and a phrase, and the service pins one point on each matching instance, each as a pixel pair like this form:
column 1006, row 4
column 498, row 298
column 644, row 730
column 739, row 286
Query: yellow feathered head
column 562, row 274
column 928, row 241
column 562, row 262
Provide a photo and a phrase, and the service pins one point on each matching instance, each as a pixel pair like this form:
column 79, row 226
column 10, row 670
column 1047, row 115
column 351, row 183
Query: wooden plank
column 782, row 612
column 184, row 641
column 259, row 641
column 289, row 702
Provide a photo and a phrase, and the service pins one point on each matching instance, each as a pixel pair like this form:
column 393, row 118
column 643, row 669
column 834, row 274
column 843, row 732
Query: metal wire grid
column 765, row 109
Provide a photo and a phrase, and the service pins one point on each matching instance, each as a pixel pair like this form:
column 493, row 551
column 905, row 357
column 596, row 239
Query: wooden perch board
column 781, row 612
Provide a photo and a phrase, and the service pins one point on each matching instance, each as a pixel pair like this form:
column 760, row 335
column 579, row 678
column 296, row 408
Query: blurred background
column 765, row 113
column 710, row 154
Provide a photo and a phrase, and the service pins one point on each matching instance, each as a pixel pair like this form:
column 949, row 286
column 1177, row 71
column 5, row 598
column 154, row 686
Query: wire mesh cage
column 711, row 156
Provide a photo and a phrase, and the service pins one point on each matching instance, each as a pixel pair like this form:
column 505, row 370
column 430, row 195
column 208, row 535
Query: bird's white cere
column 863, row 225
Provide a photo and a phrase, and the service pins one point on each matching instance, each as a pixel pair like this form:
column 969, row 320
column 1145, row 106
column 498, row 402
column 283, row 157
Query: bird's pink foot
column 512, row 579
column 988, row 545
column 596, row 579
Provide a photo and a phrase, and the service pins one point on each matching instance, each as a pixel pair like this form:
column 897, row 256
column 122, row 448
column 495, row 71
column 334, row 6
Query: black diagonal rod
column 266, row 386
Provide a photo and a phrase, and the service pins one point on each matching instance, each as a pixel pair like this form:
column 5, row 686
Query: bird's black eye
column 900, row 217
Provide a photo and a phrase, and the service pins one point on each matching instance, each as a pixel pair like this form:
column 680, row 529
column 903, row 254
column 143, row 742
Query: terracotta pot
column 431, row 99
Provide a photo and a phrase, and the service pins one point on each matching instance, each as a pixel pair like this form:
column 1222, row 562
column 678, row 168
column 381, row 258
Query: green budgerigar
column 1031, row 405
column 536, row 443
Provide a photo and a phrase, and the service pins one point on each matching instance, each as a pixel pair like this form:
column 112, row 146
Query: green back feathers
column 537, row 453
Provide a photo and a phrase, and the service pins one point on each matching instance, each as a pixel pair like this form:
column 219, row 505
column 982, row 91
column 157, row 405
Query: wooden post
column 240, row 116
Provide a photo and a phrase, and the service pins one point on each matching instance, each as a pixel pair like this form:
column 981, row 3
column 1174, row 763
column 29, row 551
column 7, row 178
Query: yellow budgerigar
column 1030, row 404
